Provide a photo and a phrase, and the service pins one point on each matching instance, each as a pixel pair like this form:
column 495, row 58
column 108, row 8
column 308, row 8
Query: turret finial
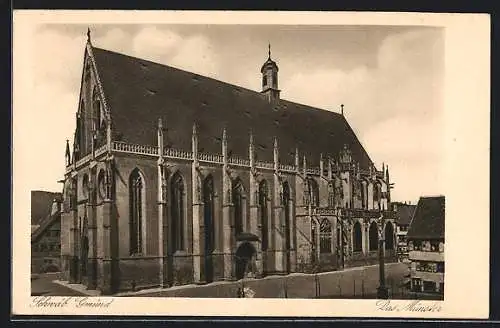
column 342, row 109
column 88, row 34
column 269, row 50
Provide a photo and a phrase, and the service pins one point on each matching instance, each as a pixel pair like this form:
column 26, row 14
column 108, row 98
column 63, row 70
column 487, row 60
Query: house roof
column 41, row 204
column 428, row 219
column 139, row 92
column 44, row 225
column 405, row 213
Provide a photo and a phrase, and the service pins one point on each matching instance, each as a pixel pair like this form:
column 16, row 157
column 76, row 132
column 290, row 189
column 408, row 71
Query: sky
column 389, row 78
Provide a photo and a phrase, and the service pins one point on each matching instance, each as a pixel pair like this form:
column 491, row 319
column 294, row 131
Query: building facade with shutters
column 426, row 245
column 404, row 214
column 177, row 178
column 46, row 238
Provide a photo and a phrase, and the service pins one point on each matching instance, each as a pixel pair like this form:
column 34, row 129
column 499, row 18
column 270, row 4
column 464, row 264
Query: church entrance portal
column 245, row 260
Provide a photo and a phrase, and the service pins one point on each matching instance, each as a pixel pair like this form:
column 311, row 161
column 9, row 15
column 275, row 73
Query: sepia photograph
column 223, row 161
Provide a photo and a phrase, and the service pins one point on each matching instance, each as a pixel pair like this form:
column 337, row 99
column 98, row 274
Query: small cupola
column 270, row 78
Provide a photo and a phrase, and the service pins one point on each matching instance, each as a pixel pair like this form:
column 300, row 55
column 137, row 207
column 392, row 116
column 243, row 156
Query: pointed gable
column 139, row 92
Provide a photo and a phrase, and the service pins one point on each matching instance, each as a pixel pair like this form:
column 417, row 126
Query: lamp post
column 382, row 291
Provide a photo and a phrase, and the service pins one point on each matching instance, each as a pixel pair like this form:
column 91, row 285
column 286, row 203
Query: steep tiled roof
column 428, row 219
column 41, row 204
column 139, row 92
column 405, row 213
column 44, row 225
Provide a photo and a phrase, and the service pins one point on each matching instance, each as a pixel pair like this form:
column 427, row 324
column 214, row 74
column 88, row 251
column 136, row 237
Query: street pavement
column 43, row 285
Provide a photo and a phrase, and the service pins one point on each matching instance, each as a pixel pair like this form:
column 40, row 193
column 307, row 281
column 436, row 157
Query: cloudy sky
column 389, row 79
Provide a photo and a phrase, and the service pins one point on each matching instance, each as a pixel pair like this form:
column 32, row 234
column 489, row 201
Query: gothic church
column 176, row 178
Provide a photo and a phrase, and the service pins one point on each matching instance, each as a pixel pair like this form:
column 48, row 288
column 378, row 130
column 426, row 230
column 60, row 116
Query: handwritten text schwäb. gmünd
column 78, row 302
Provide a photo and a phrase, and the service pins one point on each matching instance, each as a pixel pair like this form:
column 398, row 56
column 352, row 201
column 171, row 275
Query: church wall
column 304, row 243
column 323, row 191
column 124, row 166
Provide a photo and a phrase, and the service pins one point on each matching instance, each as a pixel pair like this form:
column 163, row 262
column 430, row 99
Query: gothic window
column 311, row 192
column 81, row 128
column 97, row 110
column 238, row 206
column 264, row 80
column 101, row 185
column 177, row 211
column 389, row 236
column 85, row 186
column 377, row 193
column 357, row 237
column 362, row 194
column 208, row 201
column 331, row 194
column 136, row 194
column 286, row 203
column 325, row 236
column 264, row 213
column 373, row 233
column 275, row 79
column 87, row 72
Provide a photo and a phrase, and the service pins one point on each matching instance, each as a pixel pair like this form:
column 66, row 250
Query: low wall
column 355, row 282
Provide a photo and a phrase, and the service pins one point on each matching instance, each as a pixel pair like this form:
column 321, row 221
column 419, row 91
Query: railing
column 264, row 165
column 239, row 161
column 101, row 150
column 177, row 153
column 288, row 168
column 211, row 158
column 135, row 149
column 313, row 170
column 83, row 160
column 124, row 147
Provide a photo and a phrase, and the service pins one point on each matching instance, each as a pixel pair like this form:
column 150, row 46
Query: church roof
column 139, row 92
column 428, row 219
column 405, row 213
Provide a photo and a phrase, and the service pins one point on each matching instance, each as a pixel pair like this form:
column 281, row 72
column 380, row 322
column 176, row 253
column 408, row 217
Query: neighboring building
column 46, row 237
column 426, row 245
column 177, row 178
column 403, row 218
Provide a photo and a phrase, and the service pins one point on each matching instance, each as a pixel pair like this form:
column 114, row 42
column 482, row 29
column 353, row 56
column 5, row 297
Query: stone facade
column 138, row 216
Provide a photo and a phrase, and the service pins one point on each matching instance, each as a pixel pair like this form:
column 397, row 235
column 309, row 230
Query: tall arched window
column 373, row 234
column 377, row 193
column 312, row 192
column 136, row 188
column 177, row 211
column 331, row 194
column 238, row 206
column 97, row 109
column 389, row 236
column 286, row 207
column 325, row 236
column 85, row 186
column 81, row 120
column 363, row 195
column 208, row 201
column 357, row 237
column 263, row 213
column 359, row 193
